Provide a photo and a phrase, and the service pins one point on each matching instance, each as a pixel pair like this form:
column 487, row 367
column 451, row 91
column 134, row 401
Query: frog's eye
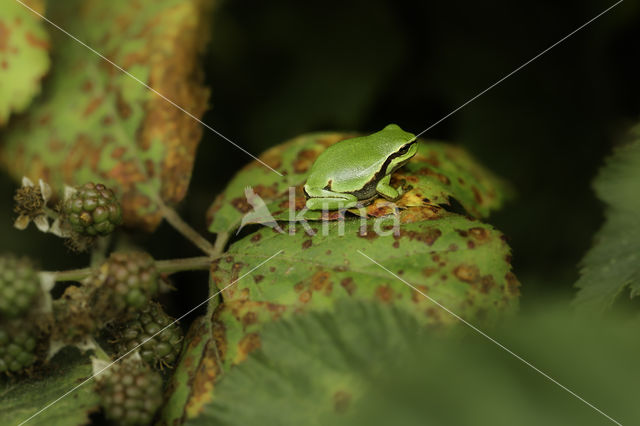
column 404, row 149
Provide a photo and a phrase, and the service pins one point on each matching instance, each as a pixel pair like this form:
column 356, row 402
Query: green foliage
column 20, row 400
column 24, row 56
column 370, row 364
column 462, row 264
column 96, row 123
column 613, row 263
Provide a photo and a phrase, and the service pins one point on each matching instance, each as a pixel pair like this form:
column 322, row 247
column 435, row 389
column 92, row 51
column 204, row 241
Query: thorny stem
column 163, row 266
column 187, row 231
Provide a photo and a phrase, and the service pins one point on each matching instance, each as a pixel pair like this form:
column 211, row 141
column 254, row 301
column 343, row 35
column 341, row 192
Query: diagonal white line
column 519, row 68
column 483, row 334
column 143, row 342
column 148, row 87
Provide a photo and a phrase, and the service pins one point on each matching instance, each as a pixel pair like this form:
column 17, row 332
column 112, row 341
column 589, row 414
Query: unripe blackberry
column 130, row 392
column 163, row 349
column 93, row 210
column 19, row 286
column 17, row 347
column 124, row 283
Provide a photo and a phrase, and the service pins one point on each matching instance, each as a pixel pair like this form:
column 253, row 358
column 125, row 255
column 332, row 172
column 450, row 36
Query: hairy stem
column 163, row 266
column 187, row 231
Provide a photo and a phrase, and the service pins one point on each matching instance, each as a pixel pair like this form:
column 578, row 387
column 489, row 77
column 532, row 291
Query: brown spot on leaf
column 396, row 244
column 123, row 108
column 479, row 234
column 92, row 106
column 36, row 42
column 471, row 244
column 512, row 284
column 246, row 345
column 306, row 244
column 467, row 273
column 384, row 293
column 305, row 296
column 249, row 318
column 427, row 272
column 241, row 204
column 256, row 237
column 348, row 285
column 428, row 237
column 320, row 281
column 304, row 160
column 485, row 284
column 258, row 278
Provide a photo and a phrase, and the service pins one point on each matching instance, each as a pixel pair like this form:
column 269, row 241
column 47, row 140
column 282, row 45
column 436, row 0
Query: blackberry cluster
column 160, row 351
column 17, row 347
column 93, row 210
column 124, row 283
column 19, row 286
column 130, row 392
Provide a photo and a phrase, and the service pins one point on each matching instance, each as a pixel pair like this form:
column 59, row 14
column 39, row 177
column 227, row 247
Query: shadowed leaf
column 613, row 263
column 24, row 398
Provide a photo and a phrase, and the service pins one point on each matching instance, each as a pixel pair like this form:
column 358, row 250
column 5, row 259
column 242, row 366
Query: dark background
column 277, row 69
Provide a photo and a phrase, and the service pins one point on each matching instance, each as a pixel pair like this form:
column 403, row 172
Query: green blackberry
column 124, row 283
column 17, row 347
column 19, row 286
column 130, row 392
column 93, row 210
column 163, row 349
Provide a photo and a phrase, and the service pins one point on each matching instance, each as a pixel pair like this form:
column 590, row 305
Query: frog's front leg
column 320, row 199
column 386, row 190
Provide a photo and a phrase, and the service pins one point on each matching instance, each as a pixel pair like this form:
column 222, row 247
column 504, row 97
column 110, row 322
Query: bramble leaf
column 24, row 55
column 19, row 400
column 437, row 172
column 370, row 364
column 95, row 123
column 613, row 263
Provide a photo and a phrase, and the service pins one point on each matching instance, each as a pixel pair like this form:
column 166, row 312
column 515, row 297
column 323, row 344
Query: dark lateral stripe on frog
column 369, row 189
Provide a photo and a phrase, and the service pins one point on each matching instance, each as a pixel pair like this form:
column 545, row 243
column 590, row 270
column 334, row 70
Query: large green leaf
column 24, row 55
column 460, row 263
column 94, row 123
column 613, row 263
column 437, row 172
column 369, row 364
column 20, row 399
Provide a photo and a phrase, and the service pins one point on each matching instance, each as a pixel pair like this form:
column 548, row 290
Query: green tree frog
column 355, row 171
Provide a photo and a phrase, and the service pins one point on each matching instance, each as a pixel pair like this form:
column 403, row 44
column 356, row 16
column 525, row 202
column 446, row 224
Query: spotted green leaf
column 613, row 263
column 437, row 172
column 20, row 399
column 458, row 262
column 95, row 123
column 24, row 55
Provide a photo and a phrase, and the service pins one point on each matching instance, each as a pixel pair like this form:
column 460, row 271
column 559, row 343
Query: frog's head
column 401, row 145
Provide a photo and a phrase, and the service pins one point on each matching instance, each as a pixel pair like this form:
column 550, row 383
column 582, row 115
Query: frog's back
column 347, row 163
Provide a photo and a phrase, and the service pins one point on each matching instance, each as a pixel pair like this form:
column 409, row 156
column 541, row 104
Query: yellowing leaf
column 24, row 55
column 95, row 123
